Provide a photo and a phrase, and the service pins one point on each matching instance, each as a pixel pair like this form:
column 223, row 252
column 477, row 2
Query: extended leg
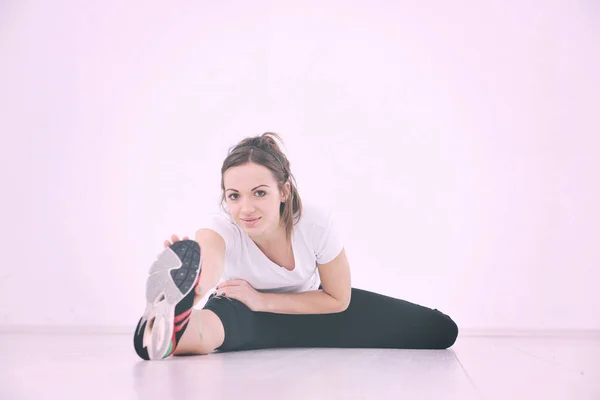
column 371, row 321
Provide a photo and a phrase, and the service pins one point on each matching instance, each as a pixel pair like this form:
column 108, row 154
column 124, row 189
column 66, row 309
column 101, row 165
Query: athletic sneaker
column 170, row 292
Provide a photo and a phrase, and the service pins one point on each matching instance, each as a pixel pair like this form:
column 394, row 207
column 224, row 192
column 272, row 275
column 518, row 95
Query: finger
column 174, row 238
column 186, row 238
column 226, row 291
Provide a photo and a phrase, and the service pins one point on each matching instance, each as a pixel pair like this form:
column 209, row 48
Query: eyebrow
column 252, row 189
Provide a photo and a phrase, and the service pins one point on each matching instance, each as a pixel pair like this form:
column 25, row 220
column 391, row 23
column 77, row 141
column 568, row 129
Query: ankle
column 198, row 338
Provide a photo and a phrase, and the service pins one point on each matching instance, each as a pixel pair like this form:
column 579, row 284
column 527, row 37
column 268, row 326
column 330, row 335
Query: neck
column 272, row 240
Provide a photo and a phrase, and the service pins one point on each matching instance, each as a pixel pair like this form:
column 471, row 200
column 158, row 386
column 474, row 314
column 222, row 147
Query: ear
column 286, row 192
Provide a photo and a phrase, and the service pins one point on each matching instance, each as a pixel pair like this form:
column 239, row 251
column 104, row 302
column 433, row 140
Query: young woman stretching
column 286, row 276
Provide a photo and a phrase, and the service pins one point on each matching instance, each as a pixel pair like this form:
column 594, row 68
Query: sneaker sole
column 173, row 275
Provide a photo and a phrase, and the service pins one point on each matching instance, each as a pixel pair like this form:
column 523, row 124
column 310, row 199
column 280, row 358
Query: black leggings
column 371, row 321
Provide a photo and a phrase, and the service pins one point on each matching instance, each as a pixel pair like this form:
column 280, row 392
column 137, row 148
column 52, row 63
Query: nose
column 247, row 208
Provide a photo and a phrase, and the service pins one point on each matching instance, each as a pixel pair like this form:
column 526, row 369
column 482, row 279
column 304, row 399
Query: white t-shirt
column 314, row 240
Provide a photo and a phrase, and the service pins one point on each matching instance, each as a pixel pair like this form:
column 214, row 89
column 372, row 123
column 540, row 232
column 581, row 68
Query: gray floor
column 36, row 366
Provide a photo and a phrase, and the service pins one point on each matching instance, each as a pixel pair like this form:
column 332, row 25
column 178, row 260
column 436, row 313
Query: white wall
column 457, row 142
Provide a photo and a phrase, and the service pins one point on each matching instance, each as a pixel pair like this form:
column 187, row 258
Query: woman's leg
column 371, row 321
column 239, row 323
column 203, row 334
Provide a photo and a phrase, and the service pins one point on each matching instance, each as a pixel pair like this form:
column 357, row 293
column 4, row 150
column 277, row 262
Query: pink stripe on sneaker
column 183, row 323
column 182, row 316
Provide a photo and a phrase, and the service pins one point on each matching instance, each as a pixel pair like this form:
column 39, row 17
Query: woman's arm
column 334, row 298
column 310, row 302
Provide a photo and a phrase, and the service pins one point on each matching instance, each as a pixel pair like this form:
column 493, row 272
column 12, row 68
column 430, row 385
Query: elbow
column 339, row 303
column 344, row 304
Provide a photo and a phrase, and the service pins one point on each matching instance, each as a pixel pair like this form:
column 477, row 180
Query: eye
column 235, row 194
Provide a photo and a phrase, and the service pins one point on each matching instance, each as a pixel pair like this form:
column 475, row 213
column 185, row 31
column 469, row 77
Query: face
column 251, row 192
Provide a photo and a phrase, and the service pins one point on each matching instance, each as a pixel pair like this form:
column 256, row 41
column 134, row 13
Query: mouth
column 251, row 222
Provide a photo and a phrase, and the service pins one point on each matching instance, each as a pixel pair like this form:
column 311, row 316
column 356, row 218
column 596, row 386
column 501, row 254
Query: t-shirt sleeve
column 221, row 224
column 329, row 243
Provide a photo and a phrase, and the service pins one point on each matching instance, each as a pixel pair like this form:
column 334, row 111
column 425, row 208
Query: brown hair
column 265, row 151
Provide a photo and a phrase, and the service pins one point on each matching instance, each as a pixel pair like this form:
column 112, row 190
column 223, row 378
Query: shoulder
column 221, row 223
column 322, row 230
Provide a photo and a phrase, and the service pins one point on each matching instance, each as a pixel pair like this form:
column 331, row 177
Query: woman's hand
column 241, row 290
column 174, row 238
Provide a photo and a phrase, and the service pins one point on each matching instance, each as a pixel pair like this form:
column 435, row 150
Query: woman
column 287, row 276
